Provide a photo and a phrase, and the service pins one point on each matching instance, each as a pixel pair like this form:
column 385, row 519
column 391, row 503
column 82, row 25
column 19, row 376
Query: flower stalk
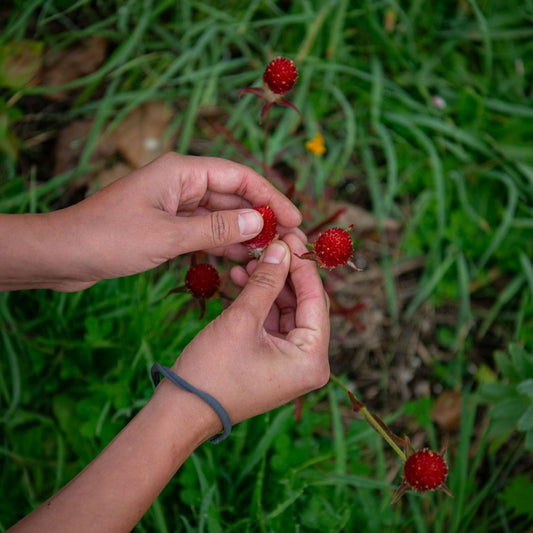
column 373, row 420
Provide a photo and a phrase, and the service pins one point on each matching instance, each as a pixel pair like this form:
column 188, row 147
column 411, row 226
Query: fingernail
column 275, row 253
column 250, row 223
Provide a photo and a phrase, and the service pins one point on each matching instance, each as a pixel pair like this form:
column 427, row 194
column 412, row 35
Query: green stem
column 370, row 418
column 338, row 382
column 267, row 127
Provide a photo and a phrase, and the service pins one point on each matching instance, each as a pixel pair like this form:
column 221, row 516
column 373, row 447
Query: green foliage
column 516, row 495
column 511, row 397
column 74, row 367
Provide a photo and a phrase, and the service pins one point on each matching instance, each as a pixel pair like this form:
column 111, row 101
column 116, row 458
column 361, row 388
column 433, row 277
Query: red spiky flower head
column 424, row 470
column 333, row 248
column 280, row 75
column 202, row 280
column 257, row 244
column 279, row 78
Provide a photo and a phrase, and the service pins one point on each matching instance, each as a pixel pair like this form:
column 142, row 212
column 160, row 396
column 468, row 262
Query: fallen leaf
column 71, row 142
column 139, row 136
column 447, row 410
column 364, row 221
column 72, row 63
column 20, row 62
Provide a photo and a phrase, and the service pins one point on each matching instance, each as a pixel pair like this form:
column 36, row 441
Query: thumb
column 219, row 228
column 266, row 282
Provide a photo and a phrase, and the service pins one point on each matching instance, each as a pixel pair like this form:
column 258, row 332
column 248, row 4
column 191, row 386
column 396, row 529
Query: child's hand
column 174, row 205
column 271, row 345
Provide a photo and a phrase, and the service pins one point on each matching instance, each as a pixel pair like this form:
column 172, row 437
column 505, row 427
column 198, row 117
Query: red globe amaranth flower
column 202, row 281
column 333, row 248
column 425, row 470
column 269, row 232
column 279, row 78
column 280, row 75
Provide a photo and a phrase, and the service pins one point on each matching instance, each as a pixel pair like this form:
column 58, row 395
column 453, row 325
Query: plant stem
column 360, row 407
column 267, row 127
column 338, row 382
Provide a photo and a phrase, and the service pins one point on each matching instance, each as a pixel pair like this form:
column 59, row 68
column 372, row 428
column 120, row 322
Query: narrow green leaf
column 526, row 387
column 525, row 422
column 504, row 298
column 275, row 427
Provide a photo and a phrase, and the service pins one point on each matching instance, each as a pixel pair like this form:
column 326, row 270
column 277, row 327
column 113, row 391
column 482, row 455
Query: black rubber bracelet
column 158, row 369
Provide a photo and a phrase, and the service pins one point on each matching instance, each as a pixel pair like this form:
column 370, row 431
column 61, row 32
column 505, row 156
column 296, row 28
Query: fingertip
column 266, row 280
column 301, row 235
column 238, row 275
column 251, row 266
column 250, row 223
column 275, row 253
column 298, row 217
column 295, row 242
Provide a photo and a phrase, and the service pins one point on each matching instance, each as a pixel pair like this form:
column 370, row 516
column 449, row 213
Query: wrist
column 189, row 415
column 26, row 261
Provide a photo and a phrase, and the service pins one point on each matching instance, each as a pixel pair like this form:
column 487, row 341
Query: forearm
column 118, row 487
column 40, row 251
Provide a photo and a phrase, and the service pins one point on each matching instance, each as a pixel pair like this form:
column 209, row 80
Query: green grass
column 458, row 178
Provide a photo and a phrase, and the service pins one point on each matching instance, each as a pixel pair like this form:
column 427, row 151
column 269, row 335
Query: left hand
column 174, row 205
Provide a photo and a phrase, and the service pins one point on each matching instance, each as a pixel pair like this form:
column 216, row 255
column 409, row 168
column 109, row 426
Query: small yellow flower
column 316, row 145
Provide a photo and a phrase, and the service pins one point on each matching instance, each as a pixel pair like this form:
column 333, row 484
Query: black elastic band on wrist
column 158, row 369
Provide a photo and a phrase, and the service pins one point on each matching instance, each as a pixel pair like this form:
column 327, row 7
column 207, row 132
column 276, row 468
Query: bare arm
column 280, row 333
column 117, row 488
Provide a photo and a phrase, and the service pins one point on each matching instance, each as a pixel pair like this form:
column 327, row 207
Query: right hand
column 271, row 345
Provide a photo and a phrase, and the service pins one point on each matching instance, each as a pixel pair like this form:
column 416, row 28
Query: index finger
column 228, row 177
column 312, row 309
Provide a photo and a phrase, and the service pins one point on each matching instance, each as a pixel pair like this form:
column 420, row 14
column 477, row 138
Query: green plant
column 422, row 116
column 510, row 396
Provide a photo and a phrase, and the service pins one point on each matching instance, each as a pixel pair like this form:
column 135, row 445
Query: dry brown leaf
column 71, row 142
column 73, row 63
column 364, row 221
column 447, row 410
column 139, row 136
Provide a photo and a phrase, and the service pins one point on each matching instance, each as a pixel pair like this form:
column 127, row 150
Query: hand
column 277, row 351
column 174, row 205
column 277, row 348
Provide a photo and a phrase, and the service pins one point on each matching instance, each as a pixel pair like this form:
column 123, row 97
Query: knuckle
column 263, row 279
column 219, row 229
